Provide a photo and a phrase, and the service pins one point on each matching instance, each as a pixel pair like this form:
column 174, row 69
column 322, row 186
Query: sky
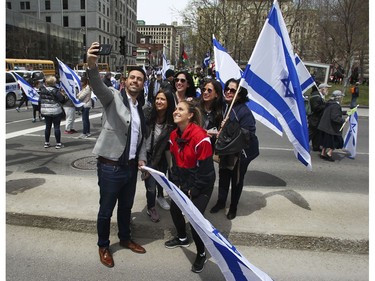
column 160, row 11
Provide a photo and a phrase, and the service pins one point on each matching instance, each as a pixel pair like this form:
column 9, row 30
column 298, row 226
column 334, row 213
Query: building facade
column 162, row 34
column 103, row 21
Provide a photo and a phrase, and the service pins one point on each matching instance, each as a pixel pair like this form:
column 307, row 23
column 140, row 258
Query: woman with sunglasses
column 192, row 171
column 232, row 168
column 184, row 86
column 210, row 105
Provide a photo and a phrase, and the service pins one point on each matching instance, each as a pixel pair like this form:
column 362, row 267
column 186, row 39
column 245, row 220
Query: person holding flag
column 233, row 167
column 329, row 125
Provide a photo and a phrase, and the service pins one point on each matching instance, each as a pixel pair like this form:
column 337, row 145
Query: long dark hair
column 170, row 107
column 190, row 91
column 217, row 104
column 242, row 94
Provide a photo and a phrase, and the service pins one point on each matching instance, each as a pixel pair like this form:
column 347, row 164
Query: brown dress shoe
column 129, row 244
column 106, row 257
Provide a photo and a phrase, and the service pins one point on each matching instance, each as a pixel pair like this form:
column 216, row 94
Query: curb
column 323, row 244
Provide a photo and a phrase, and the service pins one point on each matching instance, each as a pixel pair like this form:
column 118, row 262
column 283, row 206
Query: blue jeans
column 86, row 120
column 116, row 184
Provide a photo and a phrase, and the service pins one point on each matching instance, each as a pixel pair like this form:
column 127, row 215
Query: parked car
column 13, row 90
column 30, row 75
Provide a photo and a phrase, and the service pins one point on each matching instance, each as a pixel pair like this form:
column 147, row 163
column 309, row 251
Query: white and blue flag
column 232, row 264
column 165, row 66
column 226, row 68
column 350, row 139
column 31, row 93
column 70, row 82
column 304, row 76
column 206, row 60
column 271, row 78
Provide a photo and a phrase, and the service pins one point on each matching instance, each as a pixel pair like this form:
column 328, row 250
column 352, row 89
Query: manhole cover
column 85, row 163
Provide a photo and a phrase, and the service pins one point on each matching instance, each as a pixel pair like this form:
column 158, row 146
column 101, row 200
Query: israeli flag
column 304, row 76
column 232, row 264
column 226, row 68
column 350, row 139
column 70, row 82
column 206, row 60
column 271, row 77
column 31, row 93
column 165, row 66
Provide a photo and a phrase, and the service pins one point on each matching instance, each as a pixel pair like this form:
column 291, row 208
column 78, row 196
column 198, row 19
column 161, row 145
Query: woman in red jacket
column 192, row 171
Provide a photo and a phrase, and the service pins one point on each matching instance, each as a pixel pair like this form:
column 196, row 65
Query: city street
column 292, row 223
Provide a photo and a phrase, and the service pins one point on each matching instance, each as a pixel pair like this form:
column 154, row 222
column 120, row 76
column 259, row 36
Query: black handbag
column 232, row 139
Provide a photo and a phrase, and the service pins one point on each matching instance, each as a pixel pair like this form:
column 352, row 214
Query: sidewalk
column 278, row 218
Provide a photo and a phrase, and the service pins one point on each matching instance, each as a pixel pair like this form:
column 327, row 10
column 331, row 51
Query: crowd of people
column 172, row 127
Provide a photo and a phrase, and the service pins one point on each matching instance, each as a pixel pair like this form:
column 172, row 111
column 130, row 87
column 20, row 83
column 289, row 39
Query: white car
column 13, row 90
column 30, row 75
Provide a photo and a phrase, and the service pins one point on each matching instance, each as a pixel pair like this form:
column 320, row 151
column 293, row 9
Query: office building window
column 83, row 4
column 48, row 19
column 9, row 5
column 47, row 5
column 83, row 21
column 65, row 4
column 25, row 5
column 66, row 21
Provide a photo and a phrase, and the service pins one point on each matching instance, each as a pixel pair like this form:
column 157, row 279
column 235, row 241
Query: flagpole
column 228, row 112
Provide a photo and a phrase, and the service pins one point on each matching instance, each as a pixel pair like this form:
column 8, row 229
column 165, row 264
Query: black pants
column 234, row 177
column 179, row 221
column 314, row 136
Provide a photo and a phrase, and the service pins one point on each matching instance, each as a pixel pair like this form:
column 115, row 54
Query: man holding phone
column 120, row 151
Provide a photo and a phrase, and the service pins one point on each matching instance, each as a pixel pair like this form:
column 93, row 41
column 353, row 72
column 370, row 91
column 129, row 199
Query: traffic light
column 122, row 45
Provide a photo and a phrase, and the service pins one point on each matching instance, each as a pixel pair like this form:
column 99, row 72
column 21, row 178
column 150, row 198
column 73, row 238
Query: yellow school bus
column 101, row 66
column 47, row 66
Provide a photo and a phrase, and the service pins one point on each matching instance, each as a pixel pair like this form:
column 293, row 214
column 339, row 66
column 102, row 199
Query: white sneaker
column 83, row 136
column 162, row 203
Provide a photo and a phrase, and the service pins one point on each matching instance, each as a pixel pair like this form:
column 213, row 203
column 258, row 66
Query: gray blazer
column 116, row 121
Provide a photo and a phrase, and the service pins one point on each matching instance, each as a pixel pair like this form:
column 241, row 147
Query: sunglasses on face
column 182, row 80
column 231, row 90
column 207, row 90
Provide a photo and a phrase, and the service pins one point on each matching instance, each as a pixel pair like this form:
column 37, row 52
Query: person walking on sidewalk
column 85, row 97
column 192, row 171
column 120, row 151
column 159, row 121
column 51, row 110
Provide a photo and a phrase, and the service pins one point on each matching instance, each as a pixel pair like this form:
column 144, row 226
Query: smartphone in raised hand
column 104, row 49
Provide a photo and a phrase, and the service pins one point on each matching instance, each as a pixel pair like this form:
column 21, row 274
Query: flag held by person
column 226, row 68
column 165, row 66
column 350, row 139
column 206, row 60
column 30, row 92
column 232, row 264
column 271, row 77
column 70, row 82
